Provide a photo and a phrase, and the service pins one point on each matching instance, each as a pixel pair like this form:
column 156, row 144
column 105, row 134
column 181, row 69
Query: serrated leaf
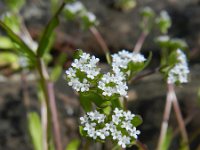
column 137, row 120
column 22, row 47
column 48, row 33
column 35, row 130
column 73, row 144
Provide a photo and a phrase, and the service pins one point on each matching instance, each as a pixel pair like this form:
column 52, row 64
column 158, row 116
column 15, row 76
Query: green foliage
column 125, row 5
column 11, row 59
column 164, row 22
column 20, row 45
column 73, row 145
column 135, row 68
column 137, row 120
column 35, row 130
column 12, row 21
column 6, row 43
column 85, row 102
column 46, row 38
column 147, row 12
column 15, row 5
column 147, row 21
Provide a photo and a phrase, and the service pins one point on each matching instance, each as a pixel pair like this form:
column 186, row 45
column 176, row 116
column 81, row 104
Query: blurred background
column 119, row 25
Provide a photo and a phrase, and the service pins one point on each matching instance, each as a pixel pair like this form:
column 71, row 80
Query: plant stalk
column 101, row 42
column 166, row 116
column 180, row 121
column 49, row 108
column 140, row 42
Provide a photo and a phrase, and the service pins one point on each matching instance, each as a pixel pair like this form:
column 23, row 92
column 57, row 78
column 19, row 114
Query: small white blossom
column 128, row 116
column 134, row 132
column 163, row 38
column 179, row 73
column 74, row 7
column 116, row 135
column 123, row 141
column 91, row 17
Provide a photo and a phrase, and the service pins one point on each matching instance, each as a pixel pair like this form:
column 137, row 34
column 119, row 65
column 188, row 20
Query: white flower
column 116, row 119
column 179, row 73
column 123, row 141
column 127, row 125
column 134, row 132
column 163, row 38
column 96, row 116
column 74, row 7
column 116, row 135
column 128, row 116
column 91, row 17
column 118, row 112
column 84, row 119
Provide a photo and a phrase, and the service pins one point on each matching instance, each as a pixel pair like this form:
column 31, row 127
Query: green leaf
column 147, row 12
column 73, row 145
column 137, row 120
column 48, row 33
column 15, row 5
column 176, row 43
column 11, row 59
column 85, row 102
column 12, row 20
column 125, row 5
column 6, row 43
column 22, row 47
column 137, row 67
column 35, row 130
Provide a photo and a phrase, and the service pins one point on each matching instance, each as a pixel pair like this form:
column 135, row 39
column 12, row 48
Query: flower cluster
column 79, row 10
column 83, row 70
column 120, row 128
column 122, row 58
column 179, row 73
column 113, row 84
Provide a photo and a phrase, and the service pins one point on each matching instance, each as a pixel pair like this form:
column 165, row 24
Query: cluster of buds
column 77, row 9
column 179, row 73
